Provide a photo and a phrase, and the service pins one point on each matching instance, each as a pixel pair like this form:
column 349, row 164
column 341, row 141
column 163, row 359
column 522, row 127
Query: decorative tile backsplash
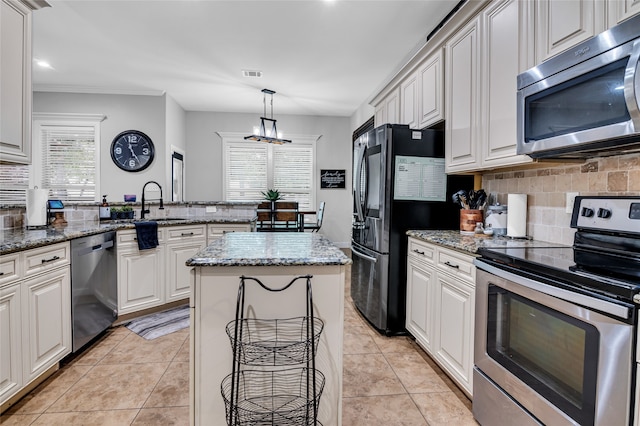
column 14, row 216
column 547, row 185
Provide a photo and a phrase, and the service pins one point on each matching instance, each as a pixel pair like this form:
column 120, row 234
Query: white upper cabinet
column 15, row 81
column 619, row 10
column 505, row 55
column 15, row 86
column 430, row 90
column 563, row 24
column 408, row 101
column 388, row 110
column 462, row 83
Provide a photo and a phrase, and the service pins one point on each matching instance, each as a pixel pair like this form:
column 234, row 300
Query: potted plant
column 127, row 212
column 272, row 195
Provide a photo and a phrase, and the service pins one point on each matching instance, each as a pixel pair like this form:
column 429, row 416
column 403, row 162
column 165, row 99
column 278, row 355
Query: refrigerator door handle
column 357, row 188
column 362, row 255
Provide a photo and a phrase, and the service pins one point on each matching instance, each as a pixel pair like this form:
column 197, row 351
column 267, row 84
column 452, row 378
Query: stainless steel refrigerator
column 399, row 184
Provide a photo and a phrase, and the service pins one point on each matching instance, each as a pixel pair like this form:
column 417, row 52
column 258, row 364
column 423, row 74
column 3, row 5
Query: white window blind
column 293, row 173
column 14, row 182
column 254, row 167
column 246, row 171
column 69, row 161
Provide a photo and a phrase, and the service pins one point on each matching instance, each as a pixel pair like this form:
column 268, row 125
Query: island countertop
column 270, row 249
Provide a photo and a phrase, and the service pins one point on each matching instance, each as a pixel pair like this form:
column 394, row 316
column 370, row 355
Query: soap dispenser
column 105, row 210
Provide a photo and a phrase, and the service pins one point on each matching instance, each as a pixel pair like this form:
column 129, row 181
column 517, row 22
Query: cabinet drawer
column 9, row 268
column 420, row 250
column 45, row 258
column 216, row 231
column 179, row 233
column 458, row 264
column 129, row 236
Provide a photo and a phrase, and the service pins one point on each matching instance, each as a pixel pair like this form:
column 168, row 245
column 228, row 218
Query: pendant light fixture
column 264, row 134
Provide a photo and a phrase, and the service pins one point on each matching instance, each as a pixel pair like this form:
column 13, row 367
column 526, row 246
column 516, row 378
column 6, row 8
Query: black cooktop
column 557, row 266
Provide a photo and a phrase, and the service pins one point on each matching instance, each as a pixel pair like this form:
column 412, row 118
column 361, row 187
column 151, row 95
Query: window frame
column 234, row 138
column 40, row 120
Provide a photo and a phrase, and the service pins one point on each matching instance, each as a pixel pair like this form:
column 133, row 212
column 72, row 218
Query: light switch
column 210, row 209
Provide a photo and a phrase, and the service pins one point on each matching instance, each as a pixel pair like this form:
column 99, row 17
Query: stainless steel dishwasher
column 94, row 286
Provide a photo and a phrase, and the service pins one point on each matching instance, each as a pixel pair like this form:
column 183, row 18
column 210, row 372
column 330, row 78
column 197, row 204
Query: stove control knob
column 587, row 212
column 604, row 213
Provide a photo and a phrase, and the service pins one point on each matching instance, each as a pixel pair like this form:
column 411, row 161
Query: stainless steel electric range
column 556, row 329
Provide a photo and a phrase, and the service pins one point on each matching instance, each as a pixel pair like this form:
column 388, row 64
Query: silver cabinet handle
column 452, row 265
column 50, row 260
column 418, row 251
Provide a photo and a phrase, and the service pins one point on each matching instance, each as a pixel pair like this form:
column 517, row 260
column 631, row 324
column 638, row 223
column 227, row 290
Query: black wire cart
column 273, row 394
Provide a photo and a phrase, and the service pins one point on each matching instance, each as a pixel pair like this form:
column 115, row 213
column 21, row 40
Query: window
column 253, row 167
column 67, row 156
column 14, row 180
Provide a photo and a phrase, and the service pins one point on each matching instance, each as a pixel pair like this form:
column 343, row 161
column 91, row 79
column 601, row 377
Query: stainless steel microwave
column 584, row 102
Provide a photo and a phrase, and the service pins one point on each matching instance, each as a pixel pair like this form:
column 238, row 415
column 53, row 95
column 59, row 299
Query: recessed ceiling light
column 250, row 73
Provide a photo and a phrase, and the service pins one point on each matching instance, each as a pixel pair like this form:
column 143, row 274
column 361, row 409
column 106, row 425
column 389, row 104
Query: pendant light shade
column 267, row 132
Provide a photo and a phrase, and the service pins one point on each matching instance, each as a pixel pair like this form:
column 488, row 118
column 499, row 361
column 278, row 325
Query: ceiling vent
column 249, row 73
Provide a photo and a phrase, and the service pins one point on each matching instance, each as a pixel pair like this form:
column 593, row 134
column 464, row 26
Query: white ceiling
column 321, row 57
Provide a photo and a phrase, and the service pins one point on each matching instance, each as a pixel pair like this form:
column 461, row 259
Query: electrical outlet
column 571, row 198
column 210, row 209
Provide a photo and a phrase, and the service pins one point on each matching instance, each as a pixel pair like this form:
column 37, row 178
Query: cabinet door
column 455, row 311
column 392, row 107
column 420, row 279
column 430, row 90
column 178, row 274
column 563, row 24
column 46, row 318
column 463, row 106
column 140, row 278
column 408, row 101
column 502, row 60
column 620, row 10
column 380, row 116
column 11, row 346
column 15, row 85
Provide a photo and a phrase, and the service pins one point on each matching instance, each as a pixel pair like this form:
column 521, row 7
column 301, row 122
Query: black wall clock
column 132, row 151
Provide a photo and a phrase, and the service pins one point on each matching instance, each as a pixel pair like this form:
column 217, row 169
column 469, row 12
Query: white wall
column 333, row 151
column 176, row 132
column 123, row 112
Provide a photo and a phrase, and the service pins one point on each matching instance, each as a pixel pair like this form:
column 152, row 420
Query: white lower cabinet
column 35, row 315
column 46, row 319
column 182, row 243
column 140, row 273
column 453, row 337
column 10, row 336
column 440, row 307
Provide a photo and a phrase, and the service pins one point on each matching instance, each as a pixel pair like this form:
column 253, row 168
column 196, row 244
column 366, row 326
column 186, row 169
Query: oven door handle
column 614, row 309
column 632, row 85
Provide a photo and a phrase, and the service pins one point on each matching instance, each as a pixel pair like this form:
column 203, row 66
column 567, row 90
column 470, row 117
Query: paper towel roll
column 37, row 207
column 517, row 218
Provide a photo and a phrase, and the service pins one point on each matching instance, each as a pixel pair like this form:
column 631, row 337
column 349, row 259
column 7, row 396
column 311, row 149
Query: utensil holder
column 468, row 220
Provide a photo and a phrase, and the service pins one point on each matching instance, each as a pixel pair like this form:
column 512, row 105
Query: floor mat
column 162, row 323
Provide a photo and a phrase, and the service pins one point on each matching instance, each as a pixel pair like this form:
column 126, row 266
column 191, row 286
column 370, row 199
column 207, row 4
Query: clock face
column 132, row 151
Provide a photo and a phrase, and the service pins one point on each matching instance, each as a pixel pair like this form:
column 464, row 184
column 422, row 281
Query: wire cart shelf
column 273, row 395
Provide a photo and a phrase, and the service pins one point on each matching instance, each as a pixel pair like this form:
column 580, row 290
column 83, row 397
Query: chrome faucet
column 143, row 212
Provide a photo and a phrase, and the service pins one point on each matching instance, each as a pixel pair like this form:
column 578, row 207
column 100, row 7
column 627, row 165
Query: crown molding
column 95, row 90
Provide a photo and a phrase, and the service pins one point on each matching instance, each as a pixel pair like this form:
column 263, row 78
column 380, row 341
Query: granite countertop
column 270, row 249
column 12, row 240
column 471, row 244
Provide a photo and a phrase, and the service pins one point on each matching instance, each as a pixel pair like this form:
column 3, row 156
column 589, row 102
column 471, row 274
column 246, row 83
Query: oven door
column 591, row 105
column 551, row 352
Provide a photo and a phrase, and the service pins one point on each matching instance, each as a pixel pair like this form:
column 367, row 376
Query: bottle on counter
column 105, row 210
column 479, row 229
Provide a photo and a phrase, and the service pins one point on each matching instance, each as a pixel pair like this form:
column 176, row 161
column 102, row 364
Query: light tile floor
column 126, row 380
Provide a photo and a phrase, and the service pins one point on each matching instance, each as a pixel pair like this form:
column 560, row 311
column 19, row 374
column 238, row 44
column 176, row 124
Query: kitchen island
column 275, row 259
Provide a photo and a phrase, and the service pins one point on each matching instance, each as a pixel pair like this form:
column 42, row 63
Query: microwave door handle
column 632, row 85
